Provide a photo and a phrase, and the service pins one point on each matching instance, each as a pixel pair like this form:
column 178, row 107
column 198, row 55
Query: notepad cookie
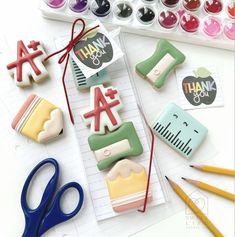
column 29, row 64
column 38, row 120
column 157, row 68
column 111, row 147
column 127, row 182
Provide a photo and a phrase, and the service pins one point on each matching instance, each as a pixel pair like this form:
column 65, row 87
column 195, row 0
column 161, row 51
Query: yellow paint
column 120, row 187
column 40, row 115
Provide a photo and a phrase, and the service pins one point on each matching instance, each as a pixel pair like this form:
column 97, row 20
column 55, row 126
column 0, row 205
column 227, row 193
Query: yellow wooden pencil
column 216, row 170
column 211, row 189
column 205, row 220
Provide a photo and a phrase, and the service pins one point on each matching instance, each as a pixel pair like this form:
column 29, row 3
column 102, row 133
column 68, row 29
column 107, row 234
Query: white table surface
column 22, row 19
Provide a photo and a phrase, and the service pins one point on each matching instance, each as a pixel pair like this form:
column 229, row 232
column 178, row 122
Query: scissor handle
column 33, row 217
column 55, row 215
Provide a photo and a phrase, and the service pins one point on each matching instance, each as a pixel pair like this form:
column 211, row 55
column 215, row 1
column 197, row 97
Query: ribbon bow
column 65, row 56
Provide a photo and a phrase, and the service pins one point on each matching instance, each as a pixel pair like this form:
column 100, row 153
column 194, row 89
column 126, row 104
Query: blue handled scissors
column 48, row 213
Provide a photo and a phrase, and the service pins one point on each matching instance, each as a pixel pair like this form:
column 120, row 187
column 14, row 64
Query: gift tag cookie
column 127, row 182
column 179, row 130
column 157, row 68
column 111, row 147
column 101, row 77
column 28, row 64
column 38, row 120
column 103, row 111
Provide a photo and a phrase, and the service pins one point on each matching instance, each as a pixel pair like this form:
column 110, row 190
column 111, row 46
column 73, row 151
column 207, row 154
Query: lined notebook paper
column 96, row 179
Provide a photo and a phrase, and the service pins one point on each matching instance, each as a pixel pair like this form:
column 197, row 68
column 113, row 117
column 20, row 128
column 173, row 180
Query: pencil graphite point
column 167, row 178
column 183, row 178
column 192, row 166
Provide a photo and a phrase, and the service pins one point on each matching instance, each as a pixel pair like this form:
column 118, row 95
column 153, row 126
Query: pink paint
column 212, row 27
column 167, row 19
column 189, row 23
column 213, row 6
column 55, row 3
column 229, row 30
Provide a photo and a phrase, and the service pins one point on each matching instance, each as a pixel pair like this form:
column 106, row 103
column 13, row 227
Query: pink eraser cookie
column 28, row 64
column 127, row 182
column 38, row 119
column 103, row 111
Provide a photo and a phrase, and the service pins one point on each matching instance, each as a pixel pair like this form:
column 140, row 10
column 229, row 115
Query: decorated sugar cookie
column 157, row 68
column 28, row 64
column 127, row 183
column 111, row 147
column 38, row 120
column 103, row 111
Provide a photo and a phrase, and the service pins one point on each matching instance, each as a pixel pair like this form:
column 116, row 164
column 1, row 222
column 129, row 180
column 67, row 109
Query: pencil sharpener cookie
column 127, row 182
column 157, row 68
column 179, row 130
column 82, row 82
column 38, row 120
column 109, row 148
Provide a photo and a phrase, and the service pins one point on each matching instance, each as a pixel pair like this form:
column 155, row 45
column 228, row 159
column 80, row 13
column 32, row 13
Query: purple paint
column 55, row 3
column 78, row 5
column 167, row 19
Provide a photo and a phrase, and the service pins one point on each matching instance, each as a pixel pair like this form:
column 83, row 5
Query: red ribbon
column 150, row 162
column 73, row 41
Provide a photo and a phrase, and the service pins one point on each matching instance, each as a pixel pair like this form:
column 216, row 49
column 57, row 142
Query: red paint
column 189, row 23
column 231, row 9
column 213, row 6
column 191, row 5
column 170, row 3
column 23, row 56
column 100, row 105
column 167, row 19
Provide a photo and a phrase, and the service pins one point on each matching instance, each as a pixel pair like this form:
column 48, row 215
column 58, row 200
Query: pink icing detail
column 131, row 205
column 22, row 110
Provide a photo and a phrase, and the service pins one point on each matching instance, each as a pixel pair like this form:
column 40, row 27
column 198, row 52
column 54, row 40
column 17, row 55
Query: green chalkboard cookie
column 157, row 68
column 114, row 146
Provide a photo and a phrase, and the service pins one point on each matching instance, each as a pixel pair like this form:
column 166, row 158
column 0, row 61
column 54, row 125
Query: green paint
column 163, row 47
column 126, row 131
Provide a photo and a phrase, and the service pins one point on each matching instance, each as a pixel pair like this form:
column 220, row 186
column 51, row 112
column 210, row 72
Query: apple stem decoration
column 200, row 89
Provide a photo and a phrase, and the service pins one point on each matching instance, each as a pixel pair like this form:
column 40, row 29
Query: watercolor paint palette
column 201, row 22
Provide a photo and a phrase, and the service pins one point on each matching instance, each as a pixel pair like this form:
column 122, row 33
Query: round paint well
column 100, row 8
column 231, row 9
column 78, row 5
column 145, row 15
column 123, row 10
column 212, row 27
column 191, row 5
column 55, row 3
column 189, row 23
column 170, row 3
column 168, row 19
column 213, row 6
column 229, row 30
column 149, row 1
